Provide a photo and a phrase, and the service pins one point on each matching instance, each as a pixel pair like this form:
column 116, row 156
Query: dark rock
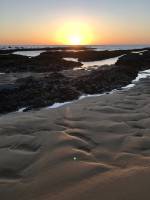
column 44, row 63
column 140, row 61
column 44, row 90
column 36, row 93
column 105, row 79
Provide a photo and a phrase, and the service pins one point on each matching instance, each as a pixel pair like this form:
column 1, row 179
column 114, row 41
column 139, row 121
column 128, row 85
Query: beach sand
column 97, row 148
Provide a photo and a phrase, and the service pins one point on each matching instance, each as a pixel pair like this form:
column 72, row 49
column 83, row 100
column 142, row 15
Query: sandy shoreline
column 96, row 148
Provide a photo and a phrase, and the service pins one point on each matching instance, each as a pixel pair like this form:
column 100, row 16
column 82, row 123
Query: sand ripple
column 96, row 148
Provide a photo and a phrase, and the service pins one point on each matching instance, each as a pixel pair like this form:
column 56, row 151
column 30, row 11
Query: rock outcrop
column 49, row 88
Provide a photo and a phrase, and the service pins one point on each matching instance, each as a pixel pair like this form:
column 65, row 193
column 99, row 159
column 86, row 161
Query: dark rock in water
column 44, row 90
column 91, row 55
column 44, row 63
column 36, row 93
column 115, row 76
column 86, row 56
column 52, row 61
column 105, row 79
column 140, row 61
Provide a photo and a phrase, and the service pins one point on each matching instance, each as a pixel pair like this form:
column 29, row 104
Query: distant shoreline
column 63, row 47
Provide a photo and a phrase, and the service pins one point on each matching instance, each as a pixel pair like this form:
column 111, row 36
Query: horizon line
column 73, row 45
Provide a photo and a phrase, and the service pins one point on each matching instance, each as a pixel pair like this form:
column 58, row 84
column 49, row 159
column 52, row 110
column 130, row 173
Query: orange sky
column 71, row 22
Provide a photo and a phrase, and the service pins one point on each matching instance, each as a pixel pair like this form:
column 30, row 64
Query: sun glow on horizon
column 75, row 40
column 74, row 33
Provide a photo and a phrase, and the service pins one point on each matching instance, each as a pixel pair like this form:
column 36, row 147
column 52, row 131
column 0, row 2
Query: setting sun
column 75, row 40
column 74, row 33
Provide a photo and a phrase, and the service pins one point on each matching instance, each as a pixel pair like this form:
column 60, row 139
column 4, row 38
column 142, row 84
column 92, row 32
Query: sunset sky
column 74, row 22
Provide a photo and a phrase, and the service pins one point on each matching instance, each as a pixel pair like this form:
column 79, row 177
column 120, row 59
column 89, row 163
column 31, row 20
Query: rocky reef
column 49, row 83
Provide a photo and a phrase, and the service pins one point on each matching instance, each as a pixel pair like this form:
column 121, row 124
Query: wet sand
column 96, row 148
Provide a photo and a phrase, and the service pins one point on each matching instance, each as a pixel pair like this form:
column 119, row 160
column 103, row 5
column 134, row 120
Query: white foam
column 57, row 105
column 22, row 109
column 129, row 86
column 141, row 75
